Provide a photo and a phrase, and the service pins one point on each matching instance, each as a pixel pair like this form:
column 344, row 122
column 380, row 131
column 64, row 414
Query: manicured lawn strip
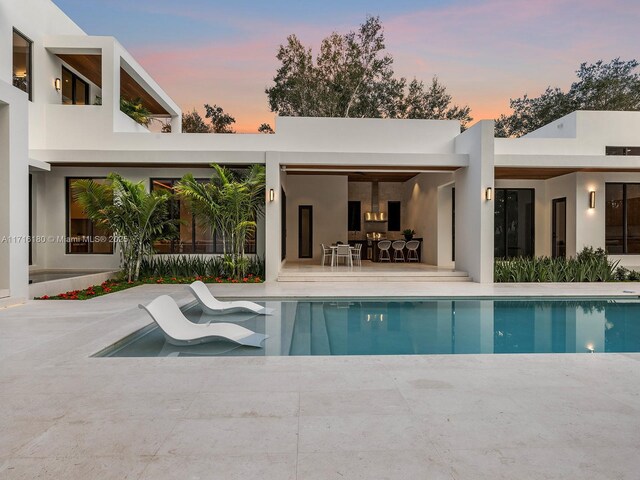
column 111, row 286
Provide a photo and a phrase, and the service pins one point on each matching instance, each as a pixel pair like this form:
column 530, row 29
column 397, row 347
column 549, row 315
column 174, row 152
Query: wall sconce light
column 488, row 194
column 272, row 195
column 57, row 83
column 592, row 199
column 591, row 348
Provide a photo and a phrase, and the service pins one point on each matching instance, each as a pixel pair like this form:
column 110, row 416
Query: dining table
column 334, row 252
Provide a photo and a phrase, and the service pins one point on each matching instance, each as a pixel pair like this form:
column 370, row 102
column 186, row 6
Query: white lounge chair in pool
column 212, row 305
column 178, row 330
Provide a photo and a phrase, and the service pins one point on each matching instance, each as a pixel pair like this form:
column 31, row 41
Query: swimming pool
column 415, row 327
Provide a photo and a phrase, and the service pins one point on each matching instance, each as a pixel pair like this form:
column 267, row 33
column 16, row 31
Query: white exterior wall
column 474, row 214
column 328, row 195
column 428, row 207
column 14, row 199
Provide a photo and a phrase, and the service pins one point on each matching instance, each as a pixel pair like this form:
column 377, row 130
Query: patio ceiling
column 514, row 173
column 91, row 67
column 364, row 174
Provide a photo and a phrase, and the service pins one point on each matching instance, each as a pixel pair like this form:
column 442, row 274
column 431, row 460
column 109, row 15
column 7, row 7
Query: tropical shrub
column 134, row 216
column 587, row 266
column 623, row 274
column 197, row 265
column 230, row 203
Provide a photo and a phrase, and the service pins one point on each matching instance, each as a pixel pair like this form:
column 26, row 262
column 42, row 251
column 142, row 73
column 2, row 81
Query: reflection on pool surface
column 423, row 327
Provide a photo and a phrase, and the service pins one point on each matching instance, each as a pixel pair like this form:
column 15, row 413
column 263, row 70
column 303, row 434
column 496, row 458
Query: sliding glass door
column 514, row 223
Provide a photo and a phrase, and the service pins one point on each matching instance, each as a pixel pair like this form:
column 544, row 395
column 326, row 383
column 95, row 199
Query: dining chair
column 344, row 251
column 356, row 253
column 326, row 252
column 398, row 253
column 412, row 251
column 384, row 246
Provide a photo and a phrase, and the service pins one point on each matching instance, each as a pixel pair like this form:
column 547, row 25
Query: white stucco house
column 469, row 197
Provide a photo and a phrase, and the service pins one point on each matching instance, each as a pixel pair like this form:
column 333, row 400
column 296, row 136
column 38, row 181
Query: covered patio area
column 364, row 222
column 368, row 271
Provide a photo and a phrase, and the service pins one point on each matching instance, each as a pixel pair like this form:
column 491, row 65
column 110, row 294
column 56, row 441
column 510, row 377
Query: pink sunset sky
column 485, row 52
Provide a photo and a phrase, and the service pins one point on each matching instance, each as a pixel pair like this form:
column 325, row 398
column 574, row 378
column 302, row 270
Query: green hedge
column 587, row 266
column 197, row 265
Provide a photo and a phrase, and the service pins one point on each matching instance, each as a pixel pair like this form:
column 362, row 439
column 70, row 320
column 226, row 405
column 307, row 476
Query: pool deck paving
column 66, row 415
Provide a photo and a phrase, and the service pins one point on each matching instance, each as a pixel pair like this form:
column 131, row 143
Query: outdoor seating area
column 397, row 251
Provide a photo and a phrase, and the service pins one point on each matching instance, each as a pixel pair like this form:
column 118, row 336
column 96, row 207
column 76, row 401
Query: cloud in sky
column 485, row 51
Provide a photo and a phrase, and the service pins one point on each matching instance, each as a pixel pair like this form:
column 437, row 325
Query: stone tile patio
column 64, row 415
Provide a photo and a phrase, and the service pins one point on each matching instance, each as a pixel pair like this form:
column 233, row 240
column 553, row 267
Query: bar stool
column 412, row 251
column 384, row 246
column 398, row 254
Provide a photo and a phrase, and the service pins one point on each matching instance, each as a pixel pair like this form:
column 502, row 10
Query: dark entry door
column 283, row 224
column 559, row 228
column 305, row 231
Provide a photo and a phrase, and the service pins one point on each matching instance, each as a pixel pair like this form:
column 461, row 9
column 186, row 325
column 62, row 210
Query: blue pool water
column 420, row 327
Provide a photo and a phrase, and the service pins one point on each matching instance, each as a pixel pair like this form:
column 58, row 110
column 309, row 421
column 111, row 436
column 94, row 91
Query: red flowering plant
column 115, row 285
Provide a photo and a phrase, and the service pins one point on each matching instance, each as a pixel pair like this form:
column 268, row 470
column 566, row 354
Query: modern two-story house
column 468, row 196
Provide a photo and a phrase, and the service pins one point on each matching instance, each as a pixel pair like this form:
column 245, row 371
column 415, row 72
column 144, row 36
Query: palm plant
column 230, row 203
column 135, row 217
column 136, row 110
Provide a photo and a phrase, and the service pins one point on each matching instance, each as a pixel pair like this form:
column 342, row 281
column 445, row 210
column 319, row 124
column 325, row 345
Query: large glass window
column 622, row 218
column 84, row 236
column 22, row 62
column 75, row 91
column 514, row 223
column 192, row 236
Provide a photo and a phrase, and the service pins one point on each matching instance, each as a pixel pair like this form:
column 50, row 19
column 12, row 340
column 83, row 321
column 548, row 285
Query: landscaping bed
column 111, row 286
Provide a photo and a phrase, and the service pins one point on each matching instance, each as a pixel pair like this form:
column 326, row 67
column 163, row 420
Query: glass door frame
column 302, row 208
column 554, row 234
column 533, row 219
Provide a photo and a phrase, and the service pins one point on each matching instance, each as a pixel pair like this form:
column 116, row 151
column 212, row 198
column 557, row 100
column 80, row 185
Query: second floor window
column 75, row 91
column 22, row 62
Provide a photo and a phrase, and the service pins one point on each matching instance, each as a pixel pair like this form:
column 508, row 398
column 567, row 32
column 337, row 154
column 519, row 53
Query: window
column 393, row 216
column 305, row 231
column 622, row 150
column 192, row 236
column 83, row 236
column 622, row 218
column 75, row 91
column 453, row 224
column 354, row 217
column 514, row 223
column 22, row 62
